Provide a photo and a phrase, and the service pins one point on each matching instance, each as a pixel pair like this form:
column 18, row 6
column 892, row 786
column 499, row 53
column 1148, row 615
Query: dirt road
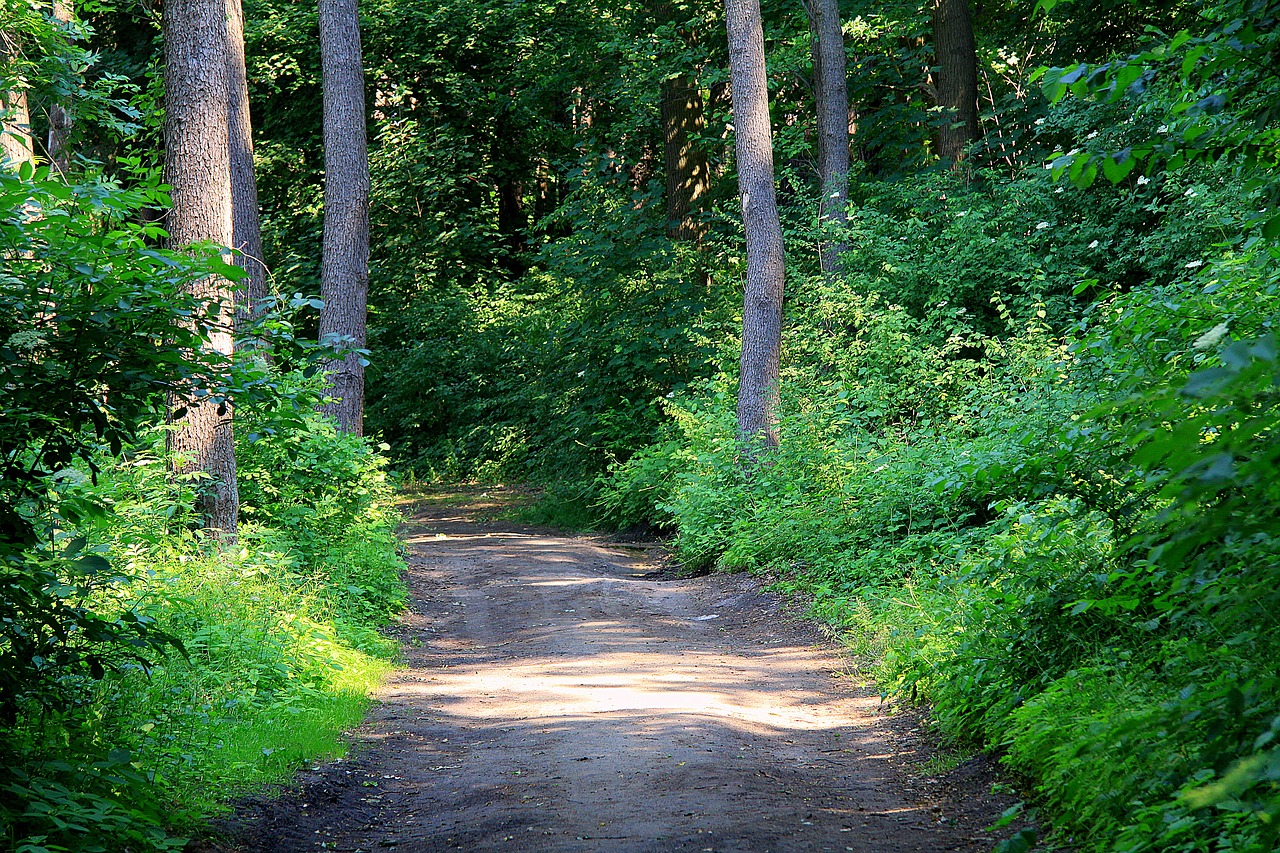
column 557, row 696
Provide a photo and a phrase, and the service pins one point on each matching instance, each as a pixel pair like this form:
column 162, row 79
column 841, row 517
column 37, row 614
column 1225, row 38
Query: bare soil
column 565, row 693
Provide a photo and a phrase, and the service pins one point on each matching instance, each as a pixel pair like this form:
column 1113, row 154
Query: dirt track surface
column 560, row 695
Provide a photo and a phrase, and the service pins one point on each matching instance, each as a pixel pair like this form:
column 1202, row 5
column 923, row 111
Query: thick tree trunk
column 60, row 114
column 762, row 302
column 197, row 166
column 688, row 175
column 246, row 224
column 956, row 53
column 15, row 135
column 345, row 255
column 831, row 93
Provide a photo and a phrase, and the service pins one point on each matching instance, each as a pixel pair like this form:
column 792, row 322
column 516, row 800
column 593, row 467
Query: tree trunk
column 59, row 114
column 345, row 254
column 15, row 135
column 688, row 175
column 246, row 224
column 831, row 94
column 197, row 166
column 957, row 56
column 513, row 223
column 762, row 301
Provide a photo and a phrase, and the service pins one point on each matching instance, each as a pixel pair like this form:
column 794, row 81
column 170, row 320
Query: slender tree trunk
column 60, row 114
column 197, row 166
column 345, row 254
column 762, row 301
column 956, row 53
column 688, row 175
column 513, row 223
column 831, row 93
column 15, row 135
column 246, row 224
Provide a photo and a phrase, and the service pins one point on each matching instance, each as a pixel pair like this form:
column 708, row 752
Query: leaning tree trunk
column 831, row 94
column 956, row 52
column 345, row 254
column 59, row 113
column 15, row 134
column 245, row 224
column 684, row 161
column 197, row 167
column 762, row 301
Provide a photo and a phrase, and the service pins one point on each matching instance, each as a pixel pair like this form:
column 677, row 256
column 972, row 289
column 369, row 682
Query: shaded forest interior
column 956, row 318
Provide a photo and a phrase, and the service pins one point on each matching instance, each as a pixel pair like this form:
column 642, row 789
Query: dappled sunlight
column 671, row 686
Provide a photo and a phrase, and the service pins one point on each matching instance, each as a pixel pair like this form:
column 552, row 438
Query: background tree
column 60, row 119
column 684, row 160
column 15, row 117
column 831, row 94
column 762, row 299
column 245, row 222
column 345, row 263
column 955, row 51
column 197, row 166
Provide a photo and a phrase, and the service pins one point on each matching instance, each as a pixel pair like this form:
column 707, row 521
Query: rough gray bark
column 345, row 255
column 831, row 94
column 956, row 53
column 60, row 114
column 762, row 300
column 685, row 163
column 15, row 135
column 197, row 166
column 245, row 223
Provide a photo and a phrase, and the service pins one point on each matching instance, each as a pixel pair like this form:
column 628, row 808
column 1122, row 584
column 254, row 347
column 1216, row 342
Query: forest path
column 559, row 695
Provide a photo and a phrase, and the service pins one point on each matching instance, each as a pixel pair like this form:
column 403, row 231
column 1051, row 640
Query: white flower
column 581, row 373
column 1193, row 264
column 1191, row 193
column 1041, row 226
column 1092, row 135
column 1211, row 337
column 1164, row 128
column 1039, row 122
column 1143, row 179
column 1095, row 244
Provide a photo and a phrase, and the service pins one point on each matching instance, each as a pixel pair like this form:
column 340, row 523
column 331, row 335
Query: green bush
column 274, row 641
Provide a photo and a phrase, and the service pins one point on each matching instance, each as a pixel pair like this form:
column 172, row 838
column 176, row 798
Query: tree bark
column 345, row 254
column 956, row 52
column 246, row 224
column 762, row 300
column 15, row 135
column 831, row 94
column 59, row 113
column 688, row 175
column 197, row 167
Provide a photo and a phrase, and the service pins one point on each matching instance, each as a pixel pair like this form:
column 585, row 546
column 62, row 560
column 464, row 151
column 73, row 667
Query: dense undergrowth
column 272, row 643
column 1060, row 535
column 148, row 671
